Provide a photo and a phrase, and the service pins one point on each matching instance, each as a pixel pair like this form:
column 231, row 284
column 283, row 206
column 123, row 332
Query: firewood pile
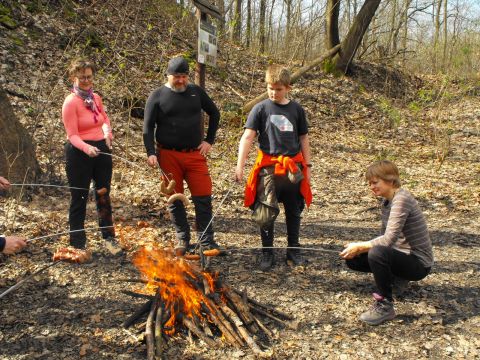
column 183, row 299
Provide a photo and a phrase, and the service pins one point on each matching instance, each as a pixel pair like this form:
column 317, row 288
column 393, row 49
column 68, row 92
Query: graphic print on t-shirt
column 281, row 122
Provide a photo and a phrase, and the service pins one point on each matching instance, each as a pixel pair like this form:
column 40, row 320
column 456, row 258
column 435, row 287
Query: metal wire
column 51, row 185
column 213, row 216
column 10, row 289
column 69, row 232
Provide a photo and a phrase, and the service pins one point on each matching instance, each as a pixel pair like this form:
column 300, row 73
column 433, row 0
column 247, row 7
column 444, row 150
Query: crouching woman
column 403, row 251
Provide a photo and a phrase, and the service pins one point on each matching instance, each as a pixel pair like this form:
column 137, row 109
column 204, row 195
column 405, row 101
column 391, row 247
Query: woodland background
column 408, row 91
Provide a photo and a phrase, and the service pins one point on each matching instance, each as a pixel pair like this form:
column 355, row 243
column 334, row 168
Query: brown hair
column 385, row 170
column 277, row 74
column 79, row 65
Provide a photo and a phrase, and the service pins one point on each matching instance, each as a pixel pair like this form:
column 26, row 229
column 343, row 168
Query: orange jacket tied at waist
column 282, row 164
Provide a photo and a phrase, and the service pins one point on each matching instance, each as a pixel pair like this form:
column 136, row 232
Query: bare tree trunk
column 405, row 31
column 288, row 4
column 261, row 30
column 248, row 31
column 221, row 6
column 332, row 37
column 355, row 35
column 237, row 22
column 436, row 35
column 17, row 152
column 392, row 45
column 445, row 34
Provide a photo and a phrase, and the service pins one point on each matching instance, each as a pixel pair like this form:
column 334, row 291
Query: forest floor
column 429, row 127
column 77, row 310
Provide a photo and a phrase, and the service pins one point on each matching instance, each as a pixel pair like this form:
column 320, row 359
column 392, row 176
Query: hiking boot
column 181, row 247
column 113, row 246
column 212, row 249
column 294, row 258
column 381, row 311
column 267, row 260
column 400, row 286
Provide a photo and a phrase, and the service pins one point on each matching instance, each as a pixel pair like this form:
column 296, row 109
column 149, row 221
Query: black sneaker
column 381, row 311
column 294, row 258
column 267, row 260
column 182, row 247
column 113, row 246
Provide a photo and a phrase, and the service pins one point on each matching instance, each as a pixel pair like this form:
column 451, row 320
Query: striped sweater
column 404, row 227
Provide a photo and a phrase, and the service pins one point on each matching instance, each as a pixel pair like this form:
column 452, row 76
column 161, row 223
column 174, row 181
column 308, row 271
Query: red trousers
column 189, row 166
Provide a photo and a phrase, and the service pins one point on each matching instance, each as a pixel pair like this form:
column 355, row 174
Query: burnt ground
column 76, row 311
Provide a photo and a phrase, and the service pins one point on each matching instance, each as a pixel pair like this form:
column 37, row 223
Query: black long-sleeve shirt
column 2, row 243
column 175, row 119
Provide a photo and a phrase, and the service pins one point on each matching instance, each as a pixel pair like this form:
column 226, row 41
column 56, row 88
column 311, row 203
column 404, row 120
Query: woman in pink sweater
column 89, row 135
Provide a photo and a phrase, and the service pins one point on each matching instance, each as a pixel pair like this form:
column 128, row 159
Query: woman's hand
column 354, row 249
column 108, row 142
column 14, row 244
column 4, row 183
column 93, row 151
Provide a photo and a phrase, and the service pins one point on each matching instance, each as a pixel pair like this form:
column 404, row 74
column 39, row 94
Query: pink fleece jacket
column 79, row 123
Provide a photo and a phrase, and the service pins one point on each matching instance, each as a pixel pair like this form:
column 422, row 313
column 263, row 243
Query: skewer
column 51, row 185
column 68, row 232
column 10, row 289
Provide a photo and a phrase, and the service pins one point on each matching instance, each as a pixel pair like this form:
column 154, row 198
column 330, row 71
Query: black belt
column 185, row 150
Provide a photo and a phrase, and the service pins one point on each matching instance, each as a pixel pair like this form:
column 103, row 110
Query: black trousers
column 385, row 263
column 81, row 170
column 293, row 204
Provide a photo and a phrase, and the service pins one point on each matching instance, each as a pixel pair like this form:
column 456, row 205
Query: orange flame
column 177, row 281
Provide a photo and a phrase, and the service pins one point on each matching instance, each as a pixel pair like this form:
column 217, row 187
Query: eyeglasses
column 85, row 78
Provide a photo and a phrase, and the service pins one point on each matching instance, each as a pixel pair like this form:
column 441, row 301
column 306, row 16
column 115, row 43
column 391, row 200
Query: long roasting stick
column 51, row 185
column 28, row 278
column 69, row 232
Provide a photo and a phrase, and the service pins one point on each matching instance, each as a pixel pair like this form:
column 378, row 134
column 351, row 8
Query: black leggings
column 81, row 170
column 385, row 263
column 293, row 204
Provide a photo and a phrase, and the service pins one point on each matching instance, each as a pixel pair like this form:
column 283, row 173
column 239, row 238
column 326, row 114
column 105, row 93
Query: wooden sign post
column 207, row 39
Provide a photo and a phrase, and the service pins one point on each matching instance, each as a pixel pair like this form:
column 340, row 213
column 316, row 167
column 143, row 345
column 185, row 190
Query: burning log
column 159, row 329
column 149, row 330
column 137, row 314
column 198, row 302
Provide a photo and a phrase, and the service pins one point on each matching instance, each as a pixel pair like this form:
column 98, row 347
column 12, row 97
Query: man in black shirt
column 173, row 120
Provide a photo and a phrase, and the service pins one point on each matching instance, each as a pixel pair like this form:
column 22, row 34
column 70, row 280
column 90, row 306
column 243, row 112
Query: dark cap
column 177, row 65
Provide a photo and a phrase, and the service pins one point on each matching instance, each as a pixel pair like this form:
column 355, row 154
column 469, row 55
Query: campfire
column 182, row 299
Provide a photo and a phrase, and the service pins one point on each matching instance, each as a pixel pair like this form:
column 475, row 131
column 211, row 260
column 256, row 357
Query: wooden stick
column 242, row 330
column 220, row 321
column 149, row 331
column 136, row 295
column 189, row 324
column 273, row 317
column 17, row 285
column 267, row 331
column 267, row 308
column 241, row 308
column 139, row 312
column 159, row 329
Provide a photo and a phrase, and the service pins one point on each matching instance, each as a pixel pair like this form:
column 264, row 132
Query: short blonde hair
column 277, row 74
column 385, row 170
column 79, row 65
